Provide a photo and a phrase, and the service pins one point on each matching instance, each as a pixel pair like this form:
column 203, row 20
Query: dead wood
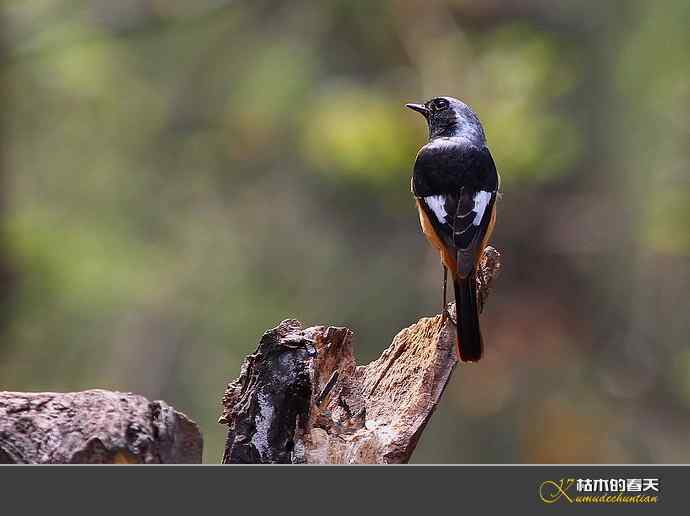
column 94, row 427
column 301, row 398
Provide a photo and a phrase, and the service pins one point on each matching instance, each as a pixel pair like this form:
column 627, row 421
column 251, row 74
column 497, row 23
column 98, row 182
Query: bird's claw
column 446, row 315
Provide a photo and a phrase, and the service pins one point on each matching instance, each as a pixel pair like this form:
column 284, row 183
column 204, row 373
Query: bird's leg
column 445, row 284
column 444, row 307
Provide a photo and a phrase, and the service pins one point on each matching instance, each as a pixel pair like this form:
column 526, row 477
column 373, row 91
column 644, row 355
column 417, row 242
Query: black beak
column 419, row 108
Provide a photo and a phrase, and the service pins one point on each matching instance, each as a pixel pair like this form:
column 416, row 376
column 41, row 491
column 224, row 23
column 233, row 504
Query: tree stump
column 94, row 427
column 301, row 398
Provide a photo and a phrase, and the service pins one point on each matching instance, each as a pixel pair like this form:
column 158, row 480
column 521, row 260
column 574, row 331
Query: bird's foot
column 446, row 315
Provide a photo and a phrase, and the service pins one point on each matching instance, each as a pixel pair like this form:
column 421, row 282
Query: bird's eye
column 438, row 104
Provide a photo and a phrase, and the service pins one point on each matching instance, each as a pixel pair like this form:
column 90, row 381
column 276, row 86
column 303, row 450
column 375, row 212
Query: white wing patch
column 481, row 201
column 437, row 203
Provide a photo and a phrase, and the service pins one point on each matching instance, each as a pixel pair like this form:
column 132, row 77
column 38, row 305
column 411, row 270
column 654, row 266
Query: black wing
column 457, row 184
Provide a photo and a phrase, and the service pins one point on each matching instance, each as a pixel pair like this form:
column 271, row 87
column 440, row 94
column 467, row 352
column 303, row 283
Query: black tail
column 469, row 335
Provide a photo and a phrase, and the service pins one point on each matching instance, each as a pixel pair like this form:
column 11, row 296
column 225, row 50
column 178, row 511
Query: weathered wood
column 301, row 398
column 94, row 427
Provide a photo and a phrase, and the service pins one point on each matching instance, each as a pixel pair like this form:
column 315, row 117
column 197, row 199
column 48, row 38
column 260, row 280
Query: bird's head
column 448, row 116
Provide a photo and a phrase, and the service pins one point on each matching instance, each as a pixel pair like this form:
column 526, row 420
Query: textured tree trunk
column 301, row 398
column 94, row 427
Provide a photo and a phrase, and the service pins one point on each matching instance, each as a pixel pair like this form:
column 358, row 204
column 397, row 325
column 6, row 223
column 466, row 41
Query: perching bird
column 455, row 184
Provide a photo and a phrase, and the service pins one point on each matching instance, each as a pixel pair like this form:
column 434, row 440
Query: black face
column 448, row 117
column 433, row 108
column 437, row 106
column 439, row 114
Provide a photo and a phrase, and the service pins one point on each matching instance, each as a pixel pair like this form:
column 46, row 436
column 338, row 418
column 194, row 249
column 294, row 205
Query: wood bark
column 94, row 427
column 301, row 398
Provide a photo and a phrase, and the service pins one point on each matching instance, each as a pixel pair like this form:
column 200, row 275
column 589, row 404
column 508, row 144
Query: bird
column 455, row 185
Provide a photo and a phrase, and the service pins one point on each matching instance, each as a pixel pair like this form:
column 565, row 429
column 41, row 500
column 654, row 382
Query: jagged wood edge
column 301, row 398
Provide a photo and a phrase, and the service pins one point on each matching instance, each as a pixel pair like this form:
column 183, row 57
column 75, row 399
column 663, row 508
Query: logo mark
column 551, row 491
column 600, row 490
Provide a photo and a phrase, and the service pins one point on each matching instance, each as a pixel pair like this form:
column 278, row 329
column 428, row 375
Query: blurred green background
column 177, row 177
